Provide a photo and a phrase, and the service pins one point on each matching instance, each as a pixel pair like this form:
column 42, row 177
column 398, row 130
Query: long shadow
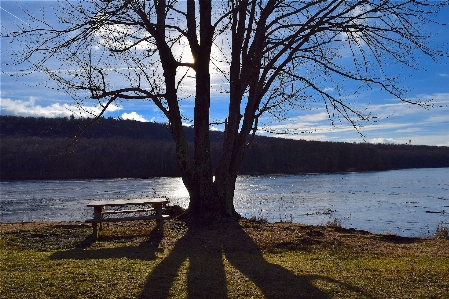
column 206, row 278
column 144, row 251
column 205, row 272
column 204, row 249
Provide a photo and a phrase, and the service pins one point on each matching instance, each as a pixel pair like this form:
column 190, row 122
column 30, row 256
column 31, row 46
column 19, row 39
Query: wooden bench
column 155, row 207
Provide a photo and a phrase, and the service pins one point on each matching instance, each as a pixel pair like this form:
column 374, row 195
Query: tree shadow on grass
column 204, row 249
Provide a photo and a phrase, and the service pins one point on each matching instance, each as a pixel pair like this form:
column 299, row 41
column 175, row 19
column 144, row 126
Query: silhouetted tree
column 278, row 55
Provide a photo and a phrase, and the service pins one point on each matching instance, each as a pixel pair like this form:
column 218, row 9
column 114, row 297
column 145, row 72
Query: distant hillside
column 36, row 148
column 14, row 126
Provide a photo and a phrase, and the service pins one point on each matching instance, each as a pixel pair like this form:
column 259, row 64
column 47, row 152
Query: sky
column 396, row 122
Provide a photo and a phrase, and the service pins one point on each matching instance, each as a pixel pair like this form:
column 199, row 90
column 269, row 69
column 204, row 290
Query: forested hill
column 36, row 148
column 14, row 126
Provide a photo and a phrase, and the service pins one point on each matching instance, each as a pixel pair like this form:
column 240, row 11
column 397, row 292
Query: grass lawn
column 249, row 259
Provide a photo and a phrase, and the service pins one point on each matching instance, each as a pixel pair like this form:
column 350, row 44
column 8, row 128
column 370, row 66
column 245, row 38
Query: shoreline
column 267, row 236
column 251, row 174
column 440, row 231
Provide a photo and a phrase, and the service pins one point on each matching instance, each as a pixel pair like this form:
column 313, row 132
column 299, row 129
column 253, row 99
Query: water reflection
column 180, row 193
column 405, row 202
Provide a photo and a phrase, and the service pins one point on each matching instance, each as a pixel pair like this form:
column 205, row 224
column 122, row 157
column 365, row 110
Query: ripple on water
column 393, row 201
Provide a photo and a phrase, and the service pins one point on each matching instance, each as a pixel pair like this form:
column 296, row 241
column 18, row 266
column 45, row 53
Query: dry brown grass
column 269, row 237
column 248, row 259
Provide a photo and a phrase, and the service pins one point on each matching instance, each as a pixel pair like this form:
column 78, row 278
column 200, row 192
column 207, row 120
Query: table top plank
column 124, row 202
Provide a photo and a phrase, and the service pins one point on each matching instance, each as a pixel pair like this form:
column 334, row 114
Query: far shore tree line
column 39, row 148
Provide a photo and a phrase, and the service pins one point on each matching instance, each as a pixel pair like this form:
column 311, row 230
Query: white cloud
column 438, row 118
column 134, row 116
column 382, row 140
column 118, row 36
column 409, row 130
column 30, row 108
column 439, row 98
column 386, row 126
column 443, row 75
column 306, row 120
column 315, row 117
column 396, row 123
column 441, row 139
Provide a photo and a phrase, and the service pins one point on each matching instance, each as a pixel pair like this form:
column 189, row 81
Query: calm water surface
column 410, row 202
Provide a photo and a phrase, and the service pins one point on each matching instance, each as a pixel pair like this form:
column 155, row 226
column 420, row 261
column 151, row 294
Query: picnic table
column 127, row 210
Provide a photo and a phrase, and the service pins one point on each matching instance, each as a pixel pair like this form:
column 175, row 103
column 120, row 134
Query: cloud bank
column 31, row 108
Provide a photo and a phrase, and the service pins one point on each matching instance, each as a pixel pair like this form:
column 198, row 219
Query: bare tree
column 277, row 55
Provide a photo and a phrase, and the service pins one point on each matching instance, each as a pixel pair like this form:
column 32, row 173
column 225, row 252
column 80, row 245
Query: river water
column 412, row 202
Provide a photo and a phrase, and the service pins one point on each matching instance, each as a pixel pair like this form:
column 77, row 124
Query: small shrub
column 174, row 210
column 258, row 219
column 441, row 233
column 334, row 223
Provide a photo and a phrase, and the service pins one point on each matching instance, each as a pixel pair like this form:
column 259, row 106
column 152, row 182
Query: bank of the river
column 249, row 259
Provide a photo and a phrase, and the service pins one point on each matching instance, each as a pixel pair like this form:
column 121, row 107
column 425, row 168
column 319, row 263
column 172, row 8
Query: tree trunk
column 216, row 204
column 211, row 199
column 205, row 200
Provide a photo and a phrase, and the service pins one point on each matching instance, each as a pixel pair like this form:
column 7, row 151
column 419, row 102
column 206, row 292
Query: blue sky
column 396, row 122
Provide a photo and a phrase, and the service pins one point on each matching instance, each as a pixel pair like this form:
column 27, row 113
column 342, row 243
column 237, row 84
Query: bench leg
column 95, row 230
column 97, row 215
column 159, row 219
column 160, row 226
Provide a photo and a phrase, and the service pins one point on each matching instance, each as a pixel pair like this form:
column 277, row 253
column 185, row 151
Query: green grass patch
column 246, row 260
